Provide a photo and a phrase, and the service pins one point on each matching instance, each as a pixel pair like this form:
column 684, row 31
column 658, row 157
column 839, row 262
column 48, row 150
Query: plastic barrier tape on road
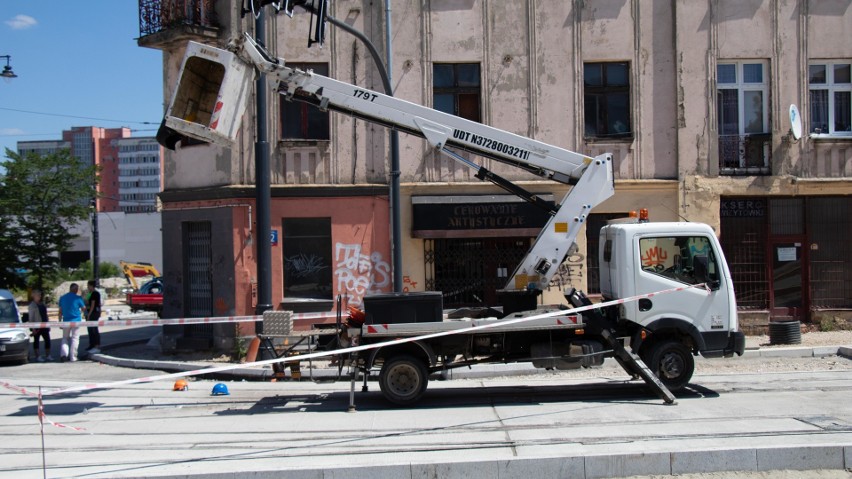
column 156, row 322
column 338, row 352
column 42, row 418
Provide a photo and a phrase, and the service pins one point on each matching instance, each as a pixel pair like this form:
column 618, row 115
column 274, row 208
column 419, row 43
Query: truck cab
column 641, row 257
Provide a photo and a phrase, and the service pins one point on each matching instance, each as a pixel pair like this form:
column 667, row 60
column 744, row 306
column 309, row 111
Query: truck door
column 668, row 261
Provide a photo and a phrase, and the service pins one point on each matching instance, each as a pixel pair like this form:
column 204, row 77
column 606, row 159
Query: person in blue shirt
column 71, row 309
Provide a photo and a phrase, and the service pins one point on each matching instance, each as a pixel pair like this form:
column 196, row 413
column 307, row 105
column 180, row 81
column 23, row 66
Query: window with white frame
column 830, row 84
column 742, row 94
column 742, row 113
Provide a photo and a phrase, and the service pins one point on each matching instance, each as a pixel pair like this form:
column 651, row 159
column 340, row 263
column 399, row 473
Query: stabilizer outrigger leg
column 634, row 365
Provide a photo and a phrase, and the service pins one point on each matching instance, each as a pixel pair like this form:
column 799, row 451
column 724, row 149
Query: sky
column 76, row 58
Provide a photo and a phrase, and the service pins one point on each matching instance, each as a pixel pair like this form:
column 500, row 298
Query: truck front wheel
column 672, row 362
column 403, row 379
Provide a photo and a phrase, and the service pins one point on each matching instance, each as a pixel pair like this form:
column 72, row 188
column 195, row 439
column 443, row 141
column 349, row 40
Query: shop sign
column 478, row 216
column 743, row 208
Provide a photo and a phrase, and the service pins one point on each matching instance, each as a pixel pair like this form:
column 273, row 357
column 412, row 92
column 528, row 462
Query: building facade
column 691, row 98
column 130, row 179
column 140, row 173
column 94, row 146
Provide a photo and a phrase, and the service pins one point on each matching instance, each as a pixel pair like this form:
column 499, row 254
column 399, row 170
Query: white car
column 14, row 342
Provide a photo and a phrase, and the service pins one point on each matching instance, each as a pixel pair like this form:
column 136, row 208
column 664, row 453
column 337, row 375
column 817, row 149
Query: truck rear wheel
column 672, row 362
column 403, row 379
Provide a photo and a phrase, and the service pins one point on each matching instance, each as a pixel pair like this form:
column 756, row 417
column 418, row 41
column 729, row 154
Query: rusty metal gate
column 198, row 277
column 469, row 271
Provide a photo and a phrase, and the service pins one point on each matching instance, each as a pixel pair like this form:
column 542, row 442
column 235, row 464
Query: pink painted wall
column 360, row 247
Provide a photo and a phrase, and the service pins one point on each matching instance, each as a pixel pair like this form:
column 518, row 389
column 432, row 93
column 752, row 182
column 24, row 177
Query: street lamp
column 7, row 74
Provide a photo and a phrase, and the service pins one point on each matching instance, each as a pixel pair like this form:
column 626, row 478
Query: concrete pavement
column 493, row 423
column 485, row 428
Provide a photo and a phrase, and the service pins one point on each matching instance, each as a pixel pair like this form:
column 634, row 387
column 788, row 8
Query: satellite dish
column 795, row 122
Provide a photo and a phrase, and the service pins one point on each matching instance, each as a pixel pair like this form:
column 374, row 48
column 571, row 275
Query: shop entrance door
column 788, row 291
column 469, row 271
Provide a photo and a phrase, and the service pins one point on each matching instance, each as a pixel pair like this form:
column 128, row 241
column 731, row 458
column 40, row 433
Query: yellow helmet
column 181, row 385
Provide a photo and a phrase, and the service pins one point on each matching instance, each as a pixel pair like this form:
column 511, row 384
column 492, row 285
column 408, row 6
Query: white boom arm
column 209, row 101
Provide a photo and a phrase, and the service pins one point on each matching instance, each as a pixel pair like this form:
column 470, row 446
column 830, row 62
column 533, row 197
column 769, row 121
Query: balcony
column 163, row 23
column 746, row 155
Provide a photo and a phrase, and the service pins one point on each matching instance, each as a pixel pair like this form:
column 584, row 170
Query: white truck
column 654, row 338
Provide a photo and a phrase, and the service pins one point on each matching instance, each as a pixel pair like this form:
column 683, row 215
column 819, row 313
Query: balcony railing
column 160, row 15
column 745, row 154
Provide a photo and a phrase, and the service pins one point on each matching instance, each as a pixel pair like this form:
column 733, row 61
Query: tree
column 41, row 198
column 10, row 262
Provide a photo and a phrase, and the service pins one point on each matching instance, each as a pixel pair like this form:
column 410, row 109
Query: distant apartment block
column 131, row 169
column 139, row 174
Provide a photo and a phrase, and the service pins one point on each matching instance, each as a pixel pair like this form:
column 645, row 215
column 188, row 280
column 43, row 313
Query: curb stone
column 822, row 457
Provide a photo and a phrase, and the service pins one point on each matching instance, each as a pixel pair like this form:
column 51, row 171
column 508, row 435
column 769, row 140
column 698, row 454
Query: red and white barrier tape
column 158, row 322
column 42, row 418
column 338, row 352
column 18, row 389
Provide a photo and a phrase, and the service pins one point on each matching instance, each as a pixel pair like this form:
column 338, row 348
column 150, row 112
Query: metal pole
column 96, row 255
column 384, row 73
column 262, row 190
column 395, row 217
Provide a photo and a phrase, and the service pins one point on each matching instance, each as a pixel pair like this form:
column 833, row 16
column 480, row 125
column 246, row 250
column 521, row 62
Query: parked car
column 14, row 342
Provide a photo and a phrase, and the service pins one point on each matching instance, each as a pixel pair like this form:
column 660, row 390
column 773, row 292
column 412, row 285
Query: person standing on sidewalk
column 38, row 314
column 71, row 307
column 93, row 308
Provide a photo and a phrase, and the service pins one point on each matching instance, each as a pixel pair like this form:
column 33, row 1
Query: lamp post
column 7, row 74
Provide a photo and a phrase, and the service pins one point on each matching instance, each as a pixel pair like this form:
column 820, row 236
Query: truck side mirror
column 700, row 270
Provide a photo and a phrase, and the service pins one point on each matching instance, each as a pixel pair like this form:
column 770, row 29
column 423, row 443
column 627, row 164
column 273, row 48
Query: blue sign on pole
column 274, row 237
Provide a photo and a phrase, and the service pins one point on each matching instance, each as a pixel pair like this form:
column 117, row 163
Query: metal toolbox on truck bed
column 392, row 308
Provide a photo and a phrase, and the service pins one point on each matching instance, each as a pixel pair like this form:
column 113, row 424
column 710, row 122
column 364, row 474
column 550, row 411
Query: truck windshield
column 675, row 257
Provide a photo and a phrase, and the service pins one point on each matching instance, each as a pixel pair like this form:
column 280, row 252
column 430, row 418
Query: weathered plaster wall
column 657, row 196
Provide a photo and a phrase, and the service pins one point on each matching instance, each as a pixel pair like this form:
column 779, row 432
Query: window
column 457, row 89
column 742, row 113
column 301, row 121
column 742, row 94
column 607, row 99
column 830, row 86
column 676, row 257
column 306, row 247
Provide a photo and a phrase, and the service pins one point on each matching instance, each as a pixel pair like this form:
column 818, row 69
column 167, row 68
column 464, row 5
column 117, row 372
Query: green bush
column 827, row 323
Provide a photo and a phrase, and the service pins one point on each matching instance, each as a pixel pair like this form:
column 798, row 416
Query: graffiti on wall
column 358, row 273
column 407, row 284
column 303, row 265
column 569, row 272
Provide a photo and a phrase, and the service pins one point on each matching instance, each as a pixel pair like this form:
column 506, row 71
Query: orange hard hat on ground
column 181, row 385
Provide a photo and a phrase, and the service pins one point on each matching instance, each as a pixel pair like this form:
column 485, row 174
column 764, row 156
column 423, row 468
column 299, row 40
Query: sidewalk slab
column 457, row 470
column 693, row 462
column 824, row 351
column 797, row 352
column 623, row 465
column 800, row 459
column 562, row 467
